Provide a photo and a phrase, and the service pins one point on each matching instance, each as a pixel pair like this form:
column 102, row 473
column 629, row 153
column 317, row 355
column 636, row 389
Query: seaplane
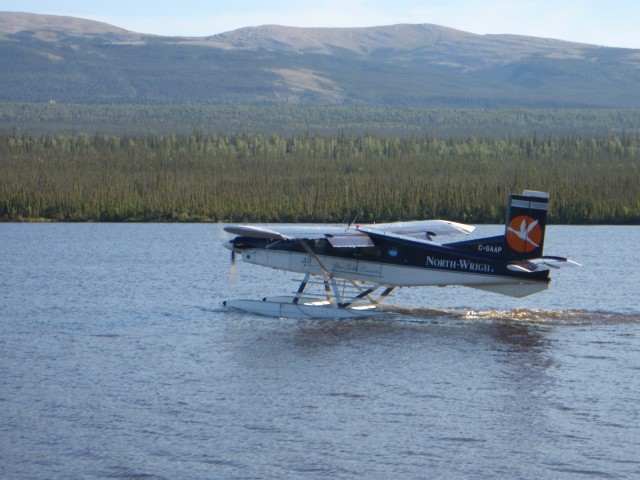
column 349, row 270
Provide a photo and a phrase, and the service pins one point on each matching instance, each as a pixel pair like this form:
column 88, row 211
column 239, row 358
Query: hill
column 70, row 60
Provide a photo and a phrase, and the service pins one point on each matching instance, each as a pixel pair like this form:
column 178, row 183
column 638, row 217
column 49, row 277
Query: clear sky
column 613, row 23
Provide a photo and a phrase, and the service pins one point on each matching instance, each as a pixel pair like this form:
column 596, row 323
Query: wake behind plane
column 356, row 267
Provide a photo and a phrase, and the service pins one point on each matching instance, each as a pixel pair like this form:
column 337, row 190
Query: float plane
column 357, row 266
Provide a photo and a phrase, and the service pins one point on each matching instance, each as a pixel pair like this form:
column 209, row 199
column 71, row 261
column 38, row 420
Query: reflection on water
column 521, row 337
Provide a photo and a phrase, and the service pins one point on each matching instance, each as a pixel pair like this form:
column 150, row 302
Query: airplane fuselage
column 395, row 262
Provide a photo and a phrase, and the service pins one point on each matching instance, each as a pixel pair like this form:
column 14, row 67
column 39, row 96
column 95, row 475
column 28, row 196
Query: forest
column 209, row 177
column 287, row 120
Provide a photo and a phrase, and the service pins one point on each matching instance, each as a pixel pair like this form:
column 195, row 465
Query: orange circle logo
column 524, row 234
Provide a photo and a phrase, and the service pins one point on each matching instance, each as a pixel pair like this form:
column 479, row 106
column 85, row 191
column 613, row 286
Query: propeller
column 233, row 268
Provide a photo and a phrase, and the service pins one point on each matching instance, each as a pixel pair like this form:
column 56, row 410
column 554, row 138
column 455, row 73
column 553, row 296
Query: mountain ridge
column 72, row 60
column 14, row 22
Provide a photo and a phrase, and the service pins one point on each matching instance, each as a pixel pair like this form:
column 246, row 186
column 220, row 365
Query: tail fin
column 524, row 232
column 526, row 223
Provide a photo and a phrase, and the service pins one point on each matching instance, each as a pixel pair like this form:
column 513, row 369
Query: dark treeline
column 209, row 177
column 53, row 119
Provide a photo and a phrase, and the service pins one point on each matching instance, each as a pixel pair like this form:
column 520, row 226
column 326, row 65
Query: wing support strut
column 337, row 298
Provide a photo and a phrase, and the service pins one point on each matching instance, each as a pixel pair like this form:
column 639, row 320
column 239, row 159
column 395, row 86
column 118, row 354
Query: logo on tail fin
column 524, row 234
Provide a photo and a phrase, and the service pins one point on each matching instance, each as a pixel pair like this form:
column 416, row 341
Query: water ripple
column 523, row 315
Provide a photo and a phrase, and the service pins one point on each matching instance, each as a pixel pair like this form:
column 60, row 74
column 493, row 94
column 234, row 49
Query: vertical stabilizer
column 526, row 223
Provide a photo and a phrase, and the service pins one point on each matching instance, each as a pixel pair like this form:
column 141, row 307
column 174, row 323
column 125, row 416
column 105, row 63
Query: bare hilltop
column 73, row 60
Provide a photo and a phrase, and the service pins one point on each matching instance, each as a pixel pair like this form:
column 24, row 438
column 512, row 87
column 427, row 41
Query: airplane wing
column 292, row 232
column 420, row 229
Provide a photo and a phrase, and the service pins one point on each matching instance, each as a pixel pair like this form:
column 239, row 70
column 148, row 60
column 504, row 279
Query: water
column 117, row 361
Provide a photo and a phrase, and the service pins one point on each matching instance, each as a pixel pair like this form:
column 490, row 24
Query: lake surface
column 118, row 361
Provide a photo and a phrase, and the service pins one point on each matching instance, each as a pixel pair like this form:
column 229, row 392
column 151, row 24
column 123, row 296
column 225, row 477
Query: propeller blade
column 233, row 268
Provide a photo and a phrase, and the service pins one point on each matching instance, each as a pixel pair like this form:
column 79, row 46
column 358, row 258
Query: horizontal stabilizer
column 554, row 262
column 522, row 267
column 541, row 264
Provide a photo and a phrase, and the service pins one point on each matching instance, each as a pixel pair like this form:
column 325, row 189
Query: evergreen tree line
column 256, row 178
column 60, row 118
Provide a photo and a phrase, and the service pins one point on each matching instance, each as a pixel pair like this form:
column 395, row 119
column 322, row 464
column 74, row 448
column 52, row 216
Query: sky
column 612, row 23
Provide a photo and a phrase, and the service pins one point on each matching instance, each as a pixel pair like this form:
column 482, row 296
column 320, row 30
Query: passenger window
column 319, row 246
column 371, row 251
